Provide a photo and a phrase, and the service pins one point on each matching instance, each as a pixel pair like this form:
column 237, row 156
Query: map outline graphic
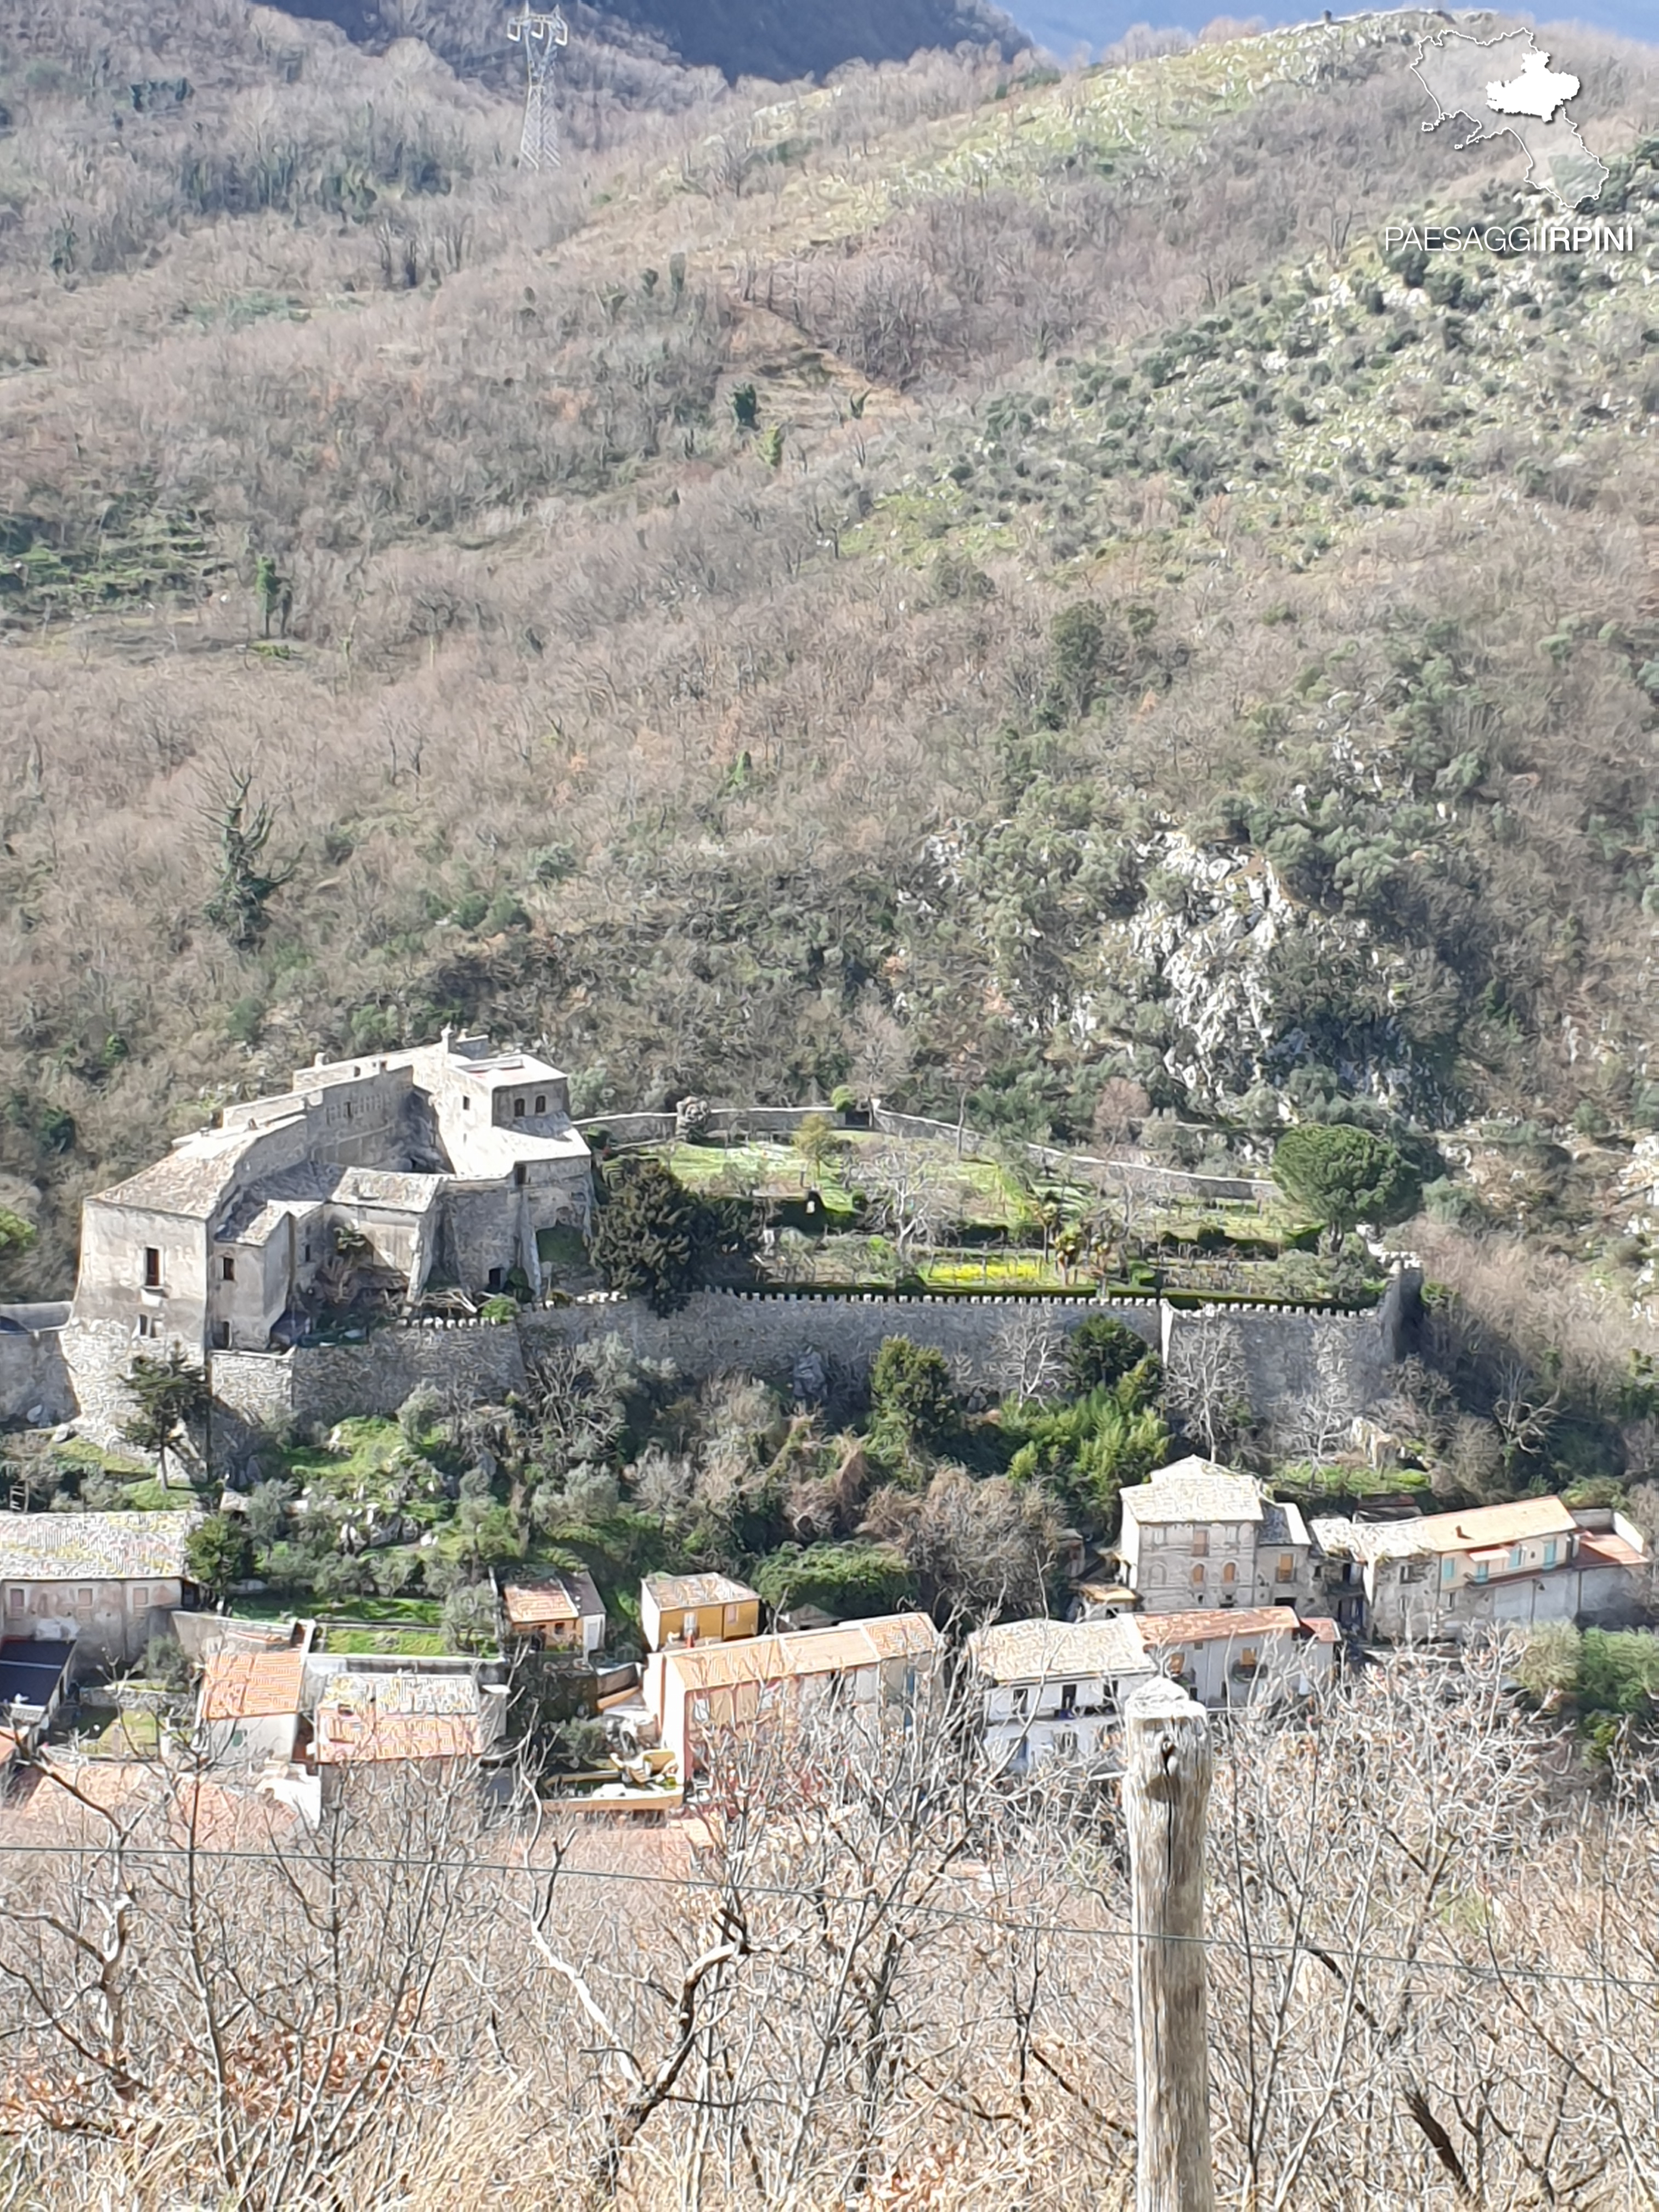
column 1488, row 84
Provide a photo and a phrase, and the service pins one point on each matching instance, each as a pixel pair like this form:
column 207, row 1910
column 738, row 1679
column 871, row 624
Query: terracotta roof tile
column 1165, row 1629
column 239, row 1685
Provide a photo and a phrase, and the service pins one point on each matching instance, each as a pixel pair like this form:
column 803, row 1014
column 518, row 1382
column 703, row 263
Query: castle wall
column 34, row 1383
column 717, row 1331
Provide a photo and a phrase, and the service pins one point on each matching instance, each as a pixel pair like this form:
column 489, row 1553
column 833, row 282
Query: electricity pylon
column 541, row 37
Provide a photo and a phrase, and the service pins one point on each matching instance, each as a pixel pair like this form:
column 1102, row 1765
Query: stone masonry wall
column 1285, row 1350
column 34, row 1383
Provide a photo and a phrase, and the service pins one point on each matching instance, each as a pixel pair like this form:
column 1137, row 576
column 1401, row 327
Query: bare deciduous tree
column 1209, row 1385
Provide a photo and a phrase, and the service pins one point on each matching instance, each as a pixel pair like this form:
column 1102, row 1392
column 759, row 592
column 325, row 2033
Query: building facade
column 1198, row 1536
column 1533, row 1560
column 107, row 1582
column 1263, row 1655
column 697, row 1693
column 449, row 1164
column 1054, row 1689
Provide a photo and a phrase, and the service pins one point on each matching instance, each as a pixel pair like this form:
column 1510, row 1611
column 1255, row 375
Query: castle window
column 228, row 1269
column 466, row 1105
column 517, row 1109
column 152, row 1268
column 541, row 1103
column 520, row 1174
column 1286, row 1573
column 1198, row 1578
column 148, row 1325
column 493, row 1280
column 222, row 1336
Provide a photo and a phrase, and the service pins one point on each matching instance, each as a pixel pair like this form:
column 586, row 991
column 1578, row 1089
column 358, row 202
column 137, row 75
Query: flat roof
column 66, row 1547
column 31, row 1668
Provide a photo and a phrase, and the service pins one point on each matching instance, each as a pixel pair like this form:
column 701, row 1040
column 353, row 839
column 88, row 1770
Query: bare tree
column 908, row 1188
column 1030, row 1355
column 1208, row 1383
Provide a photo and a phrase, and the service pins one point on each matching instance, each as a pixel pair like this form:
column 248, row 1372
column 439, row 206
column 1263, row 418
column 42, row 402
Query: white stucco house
column 1053, row 1689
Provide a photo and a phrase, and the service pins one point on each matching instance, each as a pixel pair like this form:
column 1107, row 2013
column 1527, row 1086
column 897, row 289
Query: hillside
column 960, row 582
column 739, row 38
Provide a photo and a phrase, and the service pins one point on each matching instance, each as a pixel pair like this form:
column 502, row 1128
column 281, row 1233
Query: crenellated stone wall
column 1286, row 1350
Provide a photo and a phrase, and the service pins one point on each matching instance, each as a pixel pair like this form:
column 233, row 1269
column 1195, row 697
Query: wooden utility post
column 1166, row 1795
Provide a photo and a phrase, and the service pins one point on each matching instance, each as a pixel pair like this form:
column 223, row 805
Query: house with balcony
column 1263, row 1654
column 1197, row 1536
column 1054, row 1689
column 1530, row 1561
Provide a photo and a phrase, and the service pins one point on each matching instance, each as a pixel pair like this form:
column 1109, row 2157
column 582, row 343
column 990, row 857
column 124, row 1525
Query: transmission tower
column 541, row 37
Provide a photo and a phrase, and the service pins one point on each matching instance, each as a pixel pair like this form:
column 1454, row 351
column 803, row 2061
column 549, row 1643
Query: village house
column 698, row 1692
column 1264, row 1654
column 1438, row 1575
column 1054, row 1689
column 1198, row 1536
column 696, row 1609
column 426, row 1713
column 450, row 1163
column 248, row 1708
column 560, row 1611
column 105, row 1582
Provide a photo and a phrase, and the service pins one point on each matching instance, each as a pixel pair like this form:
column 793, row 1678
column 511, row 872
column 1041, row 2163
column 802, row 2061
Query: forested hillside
column 979, row 586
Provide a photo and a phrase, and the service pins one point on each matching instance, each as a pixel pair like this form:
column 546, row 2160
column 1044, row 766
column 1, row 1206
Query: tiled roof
column 64, row 1547
column 1165, row 1631
column 1515, row 1523
column 555, row 1602
column 1339, row 1538
column 239, row 1685
column 1047, row 1650
column 192, row 1181
column 677, row 1593
column 815, row 1651
column 1193, row 1490
column 380, row 1716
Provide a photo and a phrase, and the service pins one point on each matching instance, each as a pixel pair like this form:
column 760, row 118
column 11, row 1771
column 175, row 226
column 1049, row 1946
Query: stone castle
column 450, row 1164
column 453, row 1167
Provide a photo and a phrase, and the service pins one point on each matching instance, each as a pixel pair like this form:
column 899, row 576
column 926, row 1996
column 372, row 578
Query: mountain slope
column 951, row 583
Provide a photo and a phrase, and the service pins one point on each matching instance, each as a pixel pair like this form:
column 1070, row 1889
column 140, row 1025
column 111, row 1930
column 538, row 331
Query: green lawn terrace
column 850, row 1217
